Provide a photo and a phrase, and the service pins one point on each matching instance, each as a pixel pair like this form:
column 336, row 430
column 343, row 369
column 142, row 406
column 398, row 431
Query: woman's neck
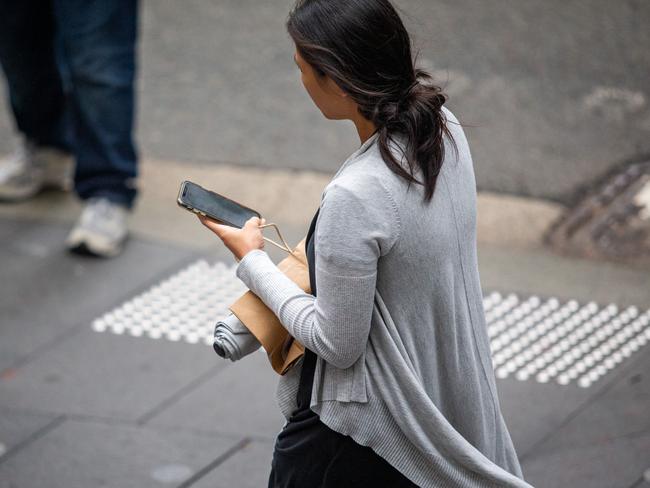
column 365, row 128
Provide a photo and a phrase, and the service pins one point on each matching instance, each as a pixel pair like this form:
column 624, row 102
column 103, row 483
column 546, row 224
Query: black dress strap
column 309, row 360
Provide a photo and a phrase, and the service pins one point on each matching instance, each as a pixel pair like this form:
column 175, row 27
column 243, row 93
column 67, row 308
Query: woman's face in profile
column 327, row 95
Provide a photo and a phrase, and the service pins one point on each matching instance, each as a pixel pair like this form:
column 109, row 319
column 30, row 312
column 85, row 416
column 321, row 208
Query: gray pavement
column 80, row 408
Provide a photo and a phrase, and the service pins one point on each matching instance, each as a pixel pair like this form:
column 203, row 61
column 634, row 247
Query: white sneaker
column 31, row 169
column 101, row 229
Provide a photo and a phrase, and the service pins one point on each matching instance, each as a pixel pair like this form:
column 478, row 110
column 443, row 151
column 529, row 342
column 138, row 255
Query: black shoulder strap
column 309, row 360
column 309, row 251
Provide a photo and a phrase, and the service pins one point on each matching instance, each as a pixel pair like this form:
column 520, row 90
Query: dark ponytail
column 365, row 48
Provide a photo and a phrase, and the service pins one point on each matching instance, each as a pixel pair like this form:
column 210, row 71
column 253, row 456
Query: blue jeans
column 70, row 70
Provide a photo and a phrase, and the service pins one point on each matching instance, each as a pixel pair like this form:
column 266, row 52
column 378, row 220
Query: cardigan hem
column 384, row 437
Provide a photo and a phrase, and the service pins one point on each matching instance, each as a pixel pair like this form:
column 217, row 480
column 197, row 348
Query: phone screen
column 216, row 206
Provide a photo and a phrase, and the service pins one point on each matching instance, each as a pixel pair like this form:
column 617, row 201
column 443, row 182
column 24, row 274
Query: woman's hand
column 239, row 241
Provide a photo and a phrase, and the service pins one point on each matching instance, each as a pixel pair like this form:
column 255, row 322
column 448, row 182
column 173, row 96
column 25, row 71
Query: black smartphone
column 197, row 199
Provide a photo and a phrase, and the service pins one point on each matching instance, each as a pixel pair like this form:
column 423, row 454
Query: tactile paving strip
column 563, row 342
column 184, row 307
column 532, row 338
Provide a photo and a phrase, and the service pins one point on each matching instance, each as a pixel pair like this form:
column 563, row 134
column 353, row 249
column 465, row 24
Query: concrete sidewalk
column 287, row 197
column 87, row 403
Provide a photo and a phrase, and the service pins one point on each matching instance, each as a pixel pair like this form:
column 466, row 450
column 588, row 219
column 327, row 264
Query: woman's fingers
column 215, row 227
column 254, row 222
column 239, row 241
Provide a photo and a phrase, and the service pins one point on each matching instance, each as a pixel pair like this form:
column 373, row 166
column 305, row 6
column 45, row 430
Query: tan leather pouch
column 282, row 349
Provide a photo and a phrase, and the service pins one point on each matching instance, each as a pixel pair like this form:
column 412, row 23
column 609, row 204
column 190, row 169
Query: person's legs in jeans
column 99, row 49
column 36, row 93
column 35, row 89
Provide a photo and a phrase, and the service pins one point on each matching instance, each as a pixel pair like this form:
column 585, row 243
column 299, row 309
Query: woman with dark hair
column 396, row 386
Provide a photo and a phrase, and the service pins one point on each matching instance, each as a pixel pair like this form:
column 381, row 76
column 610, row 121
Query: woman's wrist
column 248, row 253
column 244, row 264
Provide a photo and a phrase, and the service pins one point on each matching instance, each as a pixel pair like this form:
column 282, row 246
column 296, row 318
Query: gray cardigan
column 398, row 326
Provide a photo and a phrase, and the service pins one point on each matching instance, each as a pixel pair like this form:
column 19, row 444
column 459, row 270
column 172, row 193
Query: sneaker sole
column 87, row 245
column 11, row 195
column 83, row 250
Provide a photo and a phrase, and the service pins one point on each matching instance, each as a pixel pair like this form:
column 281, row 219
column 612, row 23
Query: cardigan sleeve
column 354, row 228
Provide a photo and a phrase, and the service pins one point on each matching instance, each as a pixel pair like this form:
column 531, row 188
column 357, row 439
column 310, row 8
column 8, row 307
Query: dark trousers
column 70, row 70
column 308, row 454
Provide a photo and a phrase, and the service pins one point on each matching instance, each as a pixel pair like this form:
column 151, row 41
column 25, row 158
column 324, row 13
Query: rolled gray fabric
column 232, row 340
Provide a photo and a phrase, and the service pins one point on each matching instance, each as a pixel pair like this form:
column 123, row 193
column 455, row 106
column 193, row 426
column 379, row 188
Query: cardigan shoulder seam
column 379, row 181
